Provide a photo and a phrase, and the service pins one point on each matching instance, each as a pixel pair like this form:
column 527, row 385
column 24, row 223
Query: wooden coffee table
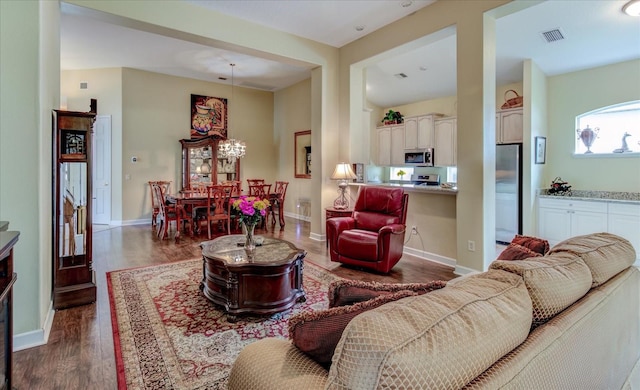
column 269, row 281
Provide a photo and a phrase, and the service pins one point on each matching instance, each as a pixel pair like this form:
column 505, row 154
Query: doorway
column 101, row 145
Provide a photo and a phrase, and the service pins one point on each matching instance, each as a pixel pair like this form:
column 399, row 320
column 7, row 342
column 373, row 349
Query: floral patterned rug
column 167, row 335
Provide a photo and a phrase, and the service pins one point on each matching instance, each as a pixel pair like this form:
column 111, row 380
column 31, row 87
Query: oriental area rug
column 167, row 335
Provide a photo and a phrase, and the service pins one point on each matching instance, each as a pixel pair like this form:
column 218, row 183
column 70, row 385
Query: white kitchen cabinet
column 624, row 220
column 384, row 146
column 391, row 145
column 445, row 142
column 397, row 145
column 559, row 219
column 418, row 131
column 509, row 126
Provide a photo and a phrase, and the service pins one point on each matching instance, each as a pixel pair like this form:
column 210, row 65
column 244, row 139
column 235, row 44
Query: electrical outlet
column 471, row 246
column 414, row 230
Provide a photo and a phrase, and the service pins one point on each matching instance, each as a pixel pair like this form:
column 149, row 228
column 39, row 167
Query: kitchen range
column 425, row 180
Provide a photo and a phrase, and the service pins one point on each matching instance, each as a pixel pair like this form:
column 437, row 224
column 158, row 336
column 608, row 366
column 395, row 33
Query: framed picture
column 541, row 150
column 208, row 116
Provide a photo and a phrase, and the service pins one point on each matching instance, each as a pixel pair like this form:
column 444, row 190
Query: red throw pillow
column 317, row 333
column 536, row 244
column 347, row 292
column 517, row 252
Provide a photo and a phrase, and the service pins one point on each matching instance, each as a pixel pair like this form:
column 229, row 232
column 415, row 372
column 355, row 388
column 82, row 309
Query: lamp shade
column 343, row 171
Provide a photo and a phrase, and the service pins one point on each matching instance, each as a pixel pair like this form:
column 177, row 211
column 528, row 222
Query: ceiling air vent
column 400, row 76
column 552, row 35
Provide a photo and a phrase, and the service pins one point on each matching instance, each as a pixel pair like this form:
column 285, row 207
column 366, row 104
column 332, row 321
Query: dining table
column 185, row 203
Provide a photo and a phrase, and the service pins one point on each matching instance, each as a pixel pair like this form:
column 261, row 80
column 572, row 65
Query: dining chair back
column 236, row 186
column 155, row 203
column 261, row 191
column 277, row 202
column 219, row 206
column 254, row 182
column 167, row 211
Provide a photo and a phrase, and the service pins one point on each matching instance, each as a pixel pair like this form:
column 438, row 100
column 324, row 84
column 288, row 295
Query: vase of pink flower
column 251, row 209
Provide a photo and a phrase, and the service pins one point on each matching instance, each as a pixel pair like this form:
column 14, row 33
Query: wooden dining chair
column 155, row 203
column 277, row 202
column 254, row 182
column 168, row 212
column 261, row 191
column 218, row 207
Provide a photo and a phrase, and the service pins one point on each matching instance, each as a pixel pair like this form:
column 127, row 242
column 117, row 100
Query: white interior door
column 102, row 170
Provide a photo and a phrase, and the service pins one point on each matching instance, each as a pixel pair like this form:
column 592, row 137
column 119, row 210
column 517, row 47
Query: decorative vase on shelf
column 250, row 242
column 587, row 136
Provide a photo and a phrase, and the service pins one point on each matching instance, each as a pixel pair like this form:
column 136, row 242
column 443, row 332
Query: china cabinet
column 509, row 126
column 445, row 142
column 200, row 163
column 73, row 273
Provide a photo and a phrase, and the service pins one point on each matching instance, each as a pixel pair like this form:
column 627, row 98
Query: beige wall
column 105, row 85
column 29, row 80
column 573, row 94
column 293, row 113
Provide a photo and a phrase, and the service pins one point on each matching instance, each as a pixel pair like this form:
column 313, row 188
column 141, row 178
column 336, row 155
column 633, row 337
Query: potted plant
column 392, row 117
column 401, row 173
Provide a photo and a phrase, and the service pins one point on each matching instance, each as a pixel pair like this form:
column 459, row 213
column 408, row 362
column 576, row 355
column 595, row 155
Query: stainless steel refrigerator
column 508, row 192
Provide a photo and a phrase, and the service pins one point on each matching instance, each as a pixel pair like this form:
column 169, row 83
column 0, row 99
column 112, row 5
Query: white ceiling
column 596, row 32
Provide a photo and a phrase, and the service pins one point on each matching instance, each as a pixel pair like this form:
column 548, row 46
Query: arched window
column 609, row 130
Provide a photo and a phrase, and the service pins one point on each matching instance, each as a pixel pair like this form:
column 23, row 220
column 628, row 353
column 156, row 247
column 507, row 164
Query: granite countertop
column 605, row 196
column 413, row 188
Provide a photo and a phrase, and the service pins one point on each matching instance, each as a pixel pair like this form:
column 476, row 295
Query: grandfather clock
column 73, row 274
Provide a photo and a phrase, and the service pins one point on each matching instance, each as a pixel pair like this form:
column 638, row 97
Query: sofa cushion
column 554, row 282
column 347, row 292
column 539, row 245
column 317, row 333
column 517, row 252
column 442, row 339
column 605, row 254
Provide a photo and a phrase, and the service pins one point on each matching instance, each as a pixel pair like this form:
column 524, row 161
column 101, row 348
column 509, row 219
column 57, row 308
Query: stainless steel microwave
column 422, row 158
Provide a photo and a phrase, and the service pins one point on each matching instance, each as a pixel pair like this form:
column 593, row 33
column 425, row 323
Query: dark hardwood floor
column 79, row 354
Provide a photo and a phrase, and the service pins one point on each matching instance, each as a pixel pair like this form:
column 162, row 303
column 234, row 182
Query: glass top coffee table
column 267, row 281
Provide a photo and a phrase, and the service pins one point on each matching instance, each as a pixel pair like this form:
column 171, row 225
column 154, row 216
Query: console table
column 267, row 281
column 7, row 279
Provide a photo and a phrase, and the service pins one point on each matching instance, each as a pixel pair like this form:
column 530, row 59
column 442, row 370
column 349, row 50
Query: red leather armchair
column 373, row 237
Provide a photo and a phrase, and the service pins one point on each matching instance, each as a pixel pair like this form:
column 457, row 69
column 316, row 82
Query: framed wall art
column 541, row 150
column 208, row 116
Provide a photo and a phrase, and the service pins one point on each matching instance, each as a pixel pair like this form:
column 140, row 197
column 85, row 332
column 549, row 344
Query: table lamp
column 343, row 172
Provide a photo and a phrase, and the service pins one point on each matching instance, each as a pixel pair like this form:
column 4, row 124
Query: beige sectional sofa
column 567, row 320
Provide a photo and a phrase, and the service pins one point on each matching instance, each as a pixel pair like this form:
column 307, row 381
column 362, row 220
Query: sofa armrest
column 275, row 364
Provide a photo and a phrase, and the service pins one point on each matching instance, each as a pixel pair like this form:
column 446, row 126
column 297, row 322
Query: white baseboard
column 130, row 222
column 297, row 216
column 35, row 338
column 449, row 262
column 318, row 237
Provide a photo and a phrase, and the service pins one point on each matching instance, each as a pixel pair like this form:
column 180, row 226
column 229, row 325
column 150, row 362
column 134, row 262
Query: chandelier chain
column 231, row 149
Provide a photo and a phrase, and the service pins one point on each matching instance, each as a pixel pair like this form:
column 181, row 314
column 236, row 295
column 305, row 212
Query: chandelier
column 231, row 149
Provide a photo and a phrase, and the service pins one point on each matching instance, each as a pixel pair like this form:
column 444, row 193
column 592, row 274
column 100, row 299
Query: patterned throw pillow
column 536, row 244
column 517, row 252
column 347, row 292
column 317, row 333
